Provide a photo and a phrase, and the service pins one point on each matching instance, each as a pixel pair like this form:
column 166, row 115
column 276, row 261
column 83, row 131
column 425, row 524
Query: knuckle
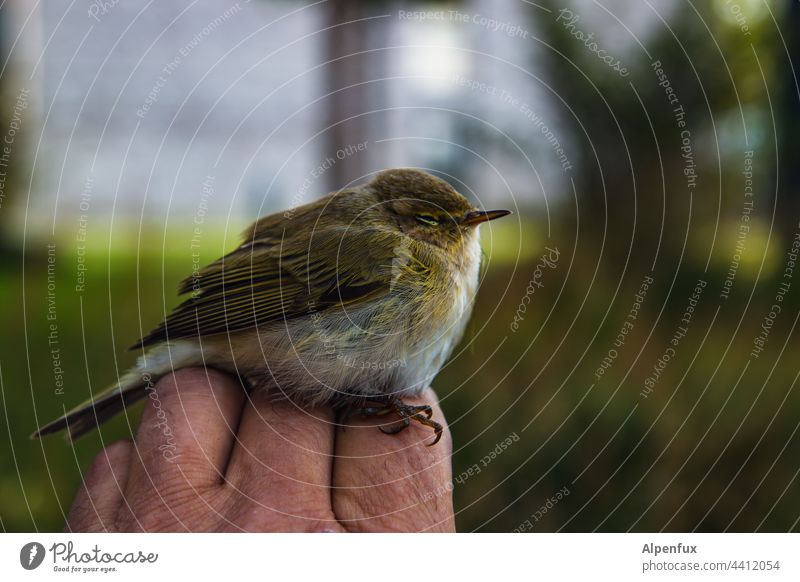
column 172, row 506
column 105, row 461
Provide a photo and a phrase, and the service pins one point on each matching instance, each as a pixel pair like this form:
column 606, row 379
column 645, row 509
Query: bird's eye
column 427, row 219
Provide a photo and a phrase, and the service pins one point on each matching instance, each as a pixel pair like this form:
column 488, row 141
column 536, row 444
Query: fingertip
column 198, row 396
column 281, row 463
column 203, row 383
column 189, row 422
column 102, row 492
column 275, row 433
column 113, row 458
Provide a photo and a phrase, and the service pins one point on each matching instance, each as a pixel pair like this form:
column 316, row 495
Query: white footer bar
column 431, row 557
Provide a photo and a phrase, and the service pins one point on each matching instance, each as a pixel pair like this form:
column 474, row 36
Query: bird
column 354, row 301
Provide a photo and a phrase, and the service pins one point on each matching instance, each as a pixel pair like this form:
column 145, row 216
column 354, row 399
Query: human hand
column 209, row 458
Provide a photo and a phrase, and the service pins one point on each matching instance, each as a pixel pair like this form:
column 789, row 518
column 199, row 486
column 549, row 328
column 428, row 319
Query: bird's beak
column 479, row 216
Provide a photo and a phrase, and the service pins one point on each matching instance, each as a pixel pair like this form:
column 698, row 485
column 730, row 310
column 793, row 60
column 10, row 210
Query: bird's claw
column 422, row 414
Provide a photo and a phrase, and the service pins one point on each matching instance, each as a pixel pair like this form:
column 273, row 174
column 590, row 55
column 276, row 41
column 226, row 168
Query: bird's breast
column 441, row 318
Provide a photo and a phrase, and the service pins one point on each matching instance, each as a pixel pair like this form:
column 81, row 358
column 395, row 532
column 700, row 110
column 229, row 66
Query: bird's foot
column 407, row 412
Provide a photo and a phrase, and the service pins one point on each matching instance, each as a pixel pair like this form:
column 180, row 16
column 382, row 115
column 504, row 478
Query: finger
column 187, row 431
column 101, row 494
column 280, row 468
column 393, row 482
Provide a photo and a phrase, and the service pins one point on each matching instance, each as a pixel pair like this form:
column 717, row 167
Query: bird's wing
column 261, row 282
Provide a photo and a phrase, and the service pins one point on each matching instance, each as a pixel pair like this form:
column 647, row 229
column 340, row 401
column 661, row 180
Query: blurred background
column 630, row 364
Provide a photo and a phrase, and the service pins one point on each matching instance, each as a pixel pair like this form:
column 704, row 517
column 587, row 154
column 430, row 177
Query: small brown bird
column 357, row 298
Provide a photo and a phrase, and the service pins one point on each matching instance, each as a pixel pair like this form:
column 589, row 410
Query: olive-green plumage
column 317, row 299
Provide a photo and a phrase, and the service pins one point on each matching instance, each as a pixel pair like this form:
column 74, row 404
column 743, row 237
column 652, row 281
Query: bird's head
column 429, row 209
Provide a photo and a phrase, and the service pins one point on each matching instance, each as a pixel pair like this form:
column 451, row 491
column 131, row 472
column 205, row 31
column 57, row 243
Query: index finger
column 187, row 429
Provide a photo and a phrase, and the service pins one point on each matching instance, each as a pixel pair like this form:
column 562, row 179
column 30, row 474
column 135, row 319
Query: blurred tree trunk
column 9, row 248
column 789, row 124
column 345, row 74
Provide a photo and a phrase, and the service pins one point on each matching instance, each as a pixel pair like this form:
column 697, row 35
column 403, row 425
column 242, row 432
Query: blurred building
column 135, row 104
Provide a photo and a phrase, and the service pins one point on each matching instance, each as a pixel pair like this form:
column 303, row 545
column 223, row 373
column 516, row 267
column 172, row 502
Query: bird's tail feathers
column 131, row 387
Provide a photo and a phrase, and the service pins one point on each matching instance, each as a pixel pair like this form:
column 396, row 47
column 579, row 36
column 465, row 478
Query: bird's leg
column 407, row 412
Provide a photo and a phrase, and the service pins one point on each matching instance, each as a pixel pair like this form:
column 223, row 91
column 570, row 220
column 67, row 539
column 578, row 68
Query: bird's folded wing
column 262, row 282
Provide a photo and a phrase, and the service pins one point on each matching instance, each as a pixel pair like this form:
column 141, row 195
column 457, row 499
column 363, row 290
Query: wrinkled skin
column 239, row 463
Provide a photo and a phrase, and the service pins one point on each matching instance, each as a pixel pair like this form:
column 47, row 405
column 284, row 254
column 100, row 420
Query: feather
column 260, row 282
